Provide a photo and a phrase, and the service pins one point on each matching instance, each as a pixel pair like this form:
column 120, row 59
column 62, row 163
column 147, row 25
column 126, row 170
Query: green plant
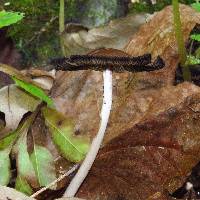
column 194, row 59
column 33, row 164
column 180, row 40
column 196, row 5
column 8, row 18
column 62, row 25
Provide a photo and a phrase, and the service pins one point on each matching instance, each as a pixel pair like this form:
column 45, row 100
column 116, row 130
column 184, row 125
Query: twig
column 56, row 181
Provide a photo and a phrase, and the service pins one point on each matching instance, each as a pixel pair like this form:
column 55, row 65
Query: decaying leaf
column 157, row 37
column 152, row 140
column 152, row 158
column 114, row 35
column 79, row 94
column 14, row 103
column 71, row 146
column 43, row 164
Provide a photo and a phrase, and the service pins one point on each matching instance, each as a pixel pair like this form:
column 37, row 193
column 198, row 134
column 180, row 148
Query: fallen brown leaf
column 78, row 94
column 153, row 157
column 116, row 34
column 157, row 37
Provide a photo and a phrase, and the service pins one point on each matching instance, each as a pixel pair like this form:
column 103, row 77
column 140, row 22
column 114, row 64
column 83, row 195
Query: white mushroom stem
column 96, row 143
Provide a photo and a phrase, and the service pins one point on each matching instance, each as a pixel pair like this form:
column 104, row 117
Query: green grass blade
column 34, row 90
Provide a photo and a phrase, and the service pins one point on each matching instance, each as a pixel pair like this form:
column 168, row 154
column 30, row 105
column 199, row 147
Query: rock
column 96, row 13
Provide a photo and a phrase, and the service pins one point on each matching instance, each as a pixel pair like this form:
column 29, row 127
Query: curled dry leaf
column 116, row 34
column 153, row 157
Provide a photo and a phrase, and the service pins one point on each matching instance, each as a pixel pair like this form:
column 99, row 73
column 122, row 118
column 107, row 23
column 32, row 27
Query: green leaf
column 195, row 37
column 192, row 60
column 43, row 164
column 34, row 90
column 72, row 147
column 22, row 185
column 5, row 148
column 196, row 6
column 8, row 18
column 24, row 166
column 5, row 166
column 7, row 140
column 26, row 83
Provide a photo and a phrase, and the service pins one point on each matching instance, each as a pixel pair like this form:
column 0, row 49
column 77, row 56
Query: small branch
column 56, row 181
column 62, row 24
column 96, row 143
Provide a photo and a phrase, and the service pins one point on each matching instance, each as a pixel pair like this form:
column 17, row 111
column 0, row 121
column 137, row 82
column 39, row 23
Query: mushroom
column 108, row 63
